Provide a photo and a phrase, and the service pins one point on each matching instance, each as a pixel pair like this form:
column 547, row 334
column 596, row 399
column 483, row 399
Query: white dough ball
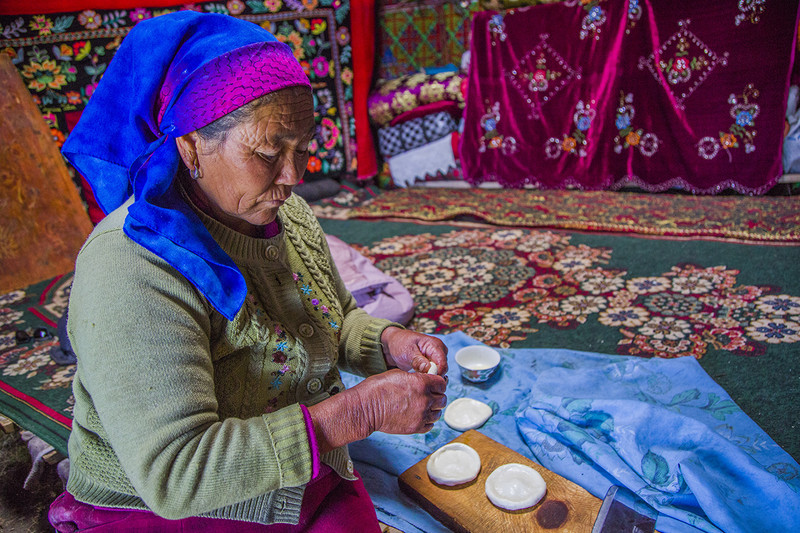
column 514, row 486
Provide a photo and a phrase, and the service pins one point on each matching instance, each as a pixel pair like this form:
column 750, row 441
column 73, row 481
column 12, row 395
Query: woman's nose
column 290, row 174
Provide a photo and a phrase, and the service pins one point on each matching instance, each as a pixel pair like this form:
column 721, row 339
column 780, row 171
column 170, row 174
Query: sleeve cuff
column 370, row 346
column 312, row 442
column 289, row 435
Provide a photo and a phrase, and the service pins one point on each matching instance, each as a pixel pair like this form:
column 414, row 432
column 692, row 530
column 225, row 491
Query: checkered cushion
column 389, row 142
column 393, row 140
column 437, row 125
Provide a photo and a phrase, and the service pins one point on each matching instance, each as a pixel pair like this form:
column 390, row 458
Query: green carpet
column 734, row 307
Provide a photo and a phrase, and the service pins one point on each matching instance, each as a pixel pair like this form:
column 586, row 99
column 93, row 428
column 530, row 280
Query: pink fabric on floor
column 330, row 505
column 376, row 292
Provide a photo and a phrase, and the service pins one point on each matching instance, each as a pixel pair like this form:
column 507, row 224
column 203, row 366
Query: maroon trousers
column 330, row 504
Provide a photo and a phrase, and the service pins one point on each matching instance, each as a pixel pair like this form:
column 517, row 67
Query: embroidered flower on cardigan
column 315, row 301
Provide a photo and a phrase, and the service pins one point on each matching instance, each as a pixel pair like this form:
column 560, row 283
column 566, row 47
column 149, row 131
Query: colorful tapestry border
column 740, row 218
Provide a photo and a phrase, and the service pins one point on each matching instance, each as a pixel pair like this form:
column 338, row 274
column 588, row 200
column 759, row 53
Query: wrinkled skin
column 248, row 176
column 396, row 401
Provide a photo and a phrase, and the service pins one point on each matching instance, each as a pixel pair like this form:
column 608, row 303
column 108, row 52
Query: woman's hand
column 409, row 350
column 400, row 402
column 395, row 402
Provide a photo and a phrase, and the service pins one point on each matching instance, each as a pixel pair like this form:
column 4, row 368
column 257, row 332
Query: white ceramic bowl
column 477, row 363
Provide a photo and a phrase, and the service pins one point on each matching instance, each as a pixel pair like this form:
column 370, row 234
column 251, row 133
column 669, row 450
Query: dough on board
column 453, row 464
column 465, row 413
column 514, row 486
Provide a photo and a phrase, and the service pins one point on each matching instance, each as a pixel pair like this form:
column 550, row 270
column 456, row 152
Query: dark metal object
column 624, row 512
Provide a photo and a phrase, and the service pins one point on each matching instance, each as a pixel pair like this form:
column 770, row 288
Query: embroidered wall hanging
column 62, row 56
column 661, row 94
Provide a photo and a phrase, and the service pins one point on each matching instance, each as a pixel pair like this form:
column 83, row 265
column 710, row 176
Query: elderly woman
column 206, row 313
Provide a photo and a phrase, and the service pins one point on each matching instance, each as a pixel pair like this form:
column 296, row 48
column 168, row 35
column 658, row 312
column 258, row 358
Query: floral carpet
column 735, row 307
column 745, row 218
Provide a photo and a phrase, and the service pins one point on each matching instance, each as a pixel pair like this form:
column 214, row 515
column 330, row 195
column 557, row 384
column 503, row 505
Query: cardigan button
column 279, row 505
column 350, row 467
column 306, row 330
column 272, row 252
column 314, row 385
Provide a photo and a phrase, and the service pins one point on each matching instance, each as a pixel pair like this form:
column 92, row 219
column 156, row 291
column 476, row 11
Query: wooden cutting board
column 566, row 507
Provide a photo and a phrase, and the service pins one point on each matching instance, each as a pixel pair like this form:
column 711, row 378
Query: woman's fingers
column 408, row 349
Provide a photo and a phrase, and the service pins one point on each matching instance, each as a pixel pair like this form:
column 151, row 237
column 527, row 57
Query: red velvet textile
column 362, row 22
column 658, row 93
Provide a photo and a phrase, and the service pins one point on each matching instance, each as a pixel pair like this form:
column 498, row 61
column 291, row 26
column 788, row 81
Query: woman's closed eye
column 269, row 158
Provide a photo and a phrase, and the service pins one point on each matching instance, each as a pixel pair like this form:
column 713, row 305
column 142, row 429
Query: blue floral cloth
column 665, row 430
column 601, row 420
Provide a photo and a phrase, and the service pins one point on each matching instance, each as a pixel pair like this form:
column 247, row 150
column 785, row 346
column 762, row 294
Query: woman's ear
column 187, row 147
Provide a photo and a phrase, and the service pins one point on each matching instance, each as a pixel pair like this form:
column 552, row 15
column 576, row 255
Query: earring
column 196, row 173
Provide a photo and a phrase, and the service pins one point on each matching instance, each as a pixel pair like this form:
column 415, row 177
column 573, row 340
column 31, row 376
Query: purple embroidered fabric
column 229, row 81
column 656, row 93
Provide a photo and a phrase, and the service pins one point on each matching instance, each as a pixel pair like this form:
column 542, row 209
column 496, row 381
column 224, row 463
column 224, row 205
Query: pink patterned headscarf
column 230, row 81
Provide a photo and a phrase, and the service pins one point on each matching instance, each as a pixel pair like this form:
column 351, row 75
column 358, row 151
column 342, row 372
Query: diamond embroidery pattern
column 682, row 63
column 542, row 74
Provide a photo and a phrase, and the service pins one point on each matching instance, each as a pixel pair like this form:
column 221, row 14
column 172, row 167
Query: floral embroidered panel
column 62, row 56
column 655, row 93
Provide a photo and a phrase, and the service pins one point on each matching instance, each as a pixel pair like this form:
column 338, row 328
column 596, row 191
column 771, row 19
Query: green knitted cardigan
column 185, row 413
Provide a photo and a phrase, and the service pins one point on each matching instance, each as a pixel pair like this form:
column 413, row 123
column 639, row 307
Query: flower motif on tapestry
column 576, row 142
column 62, row 57
column 743, row 112
column 498, row 28
column 628, row 136
column 750, row 10
column 492, row 138
column 595, row 17
column 684, row 62
column 634, row 14
column 541, row 74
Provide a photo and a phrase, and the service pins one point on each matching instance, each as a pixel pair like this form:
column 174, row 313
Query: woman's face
column 247, row 177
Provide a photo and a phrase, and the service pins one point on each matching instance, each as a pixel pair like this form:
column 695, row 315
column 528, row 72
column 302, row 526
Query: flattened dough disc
column 465, row 413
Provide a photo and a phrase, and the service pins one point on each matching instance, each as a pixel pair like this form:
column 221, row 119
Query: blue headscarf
column 152, row 93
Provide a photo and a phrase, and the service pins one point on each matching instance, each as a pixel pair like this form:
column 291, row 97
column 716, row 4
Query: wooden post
column 42, row 220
